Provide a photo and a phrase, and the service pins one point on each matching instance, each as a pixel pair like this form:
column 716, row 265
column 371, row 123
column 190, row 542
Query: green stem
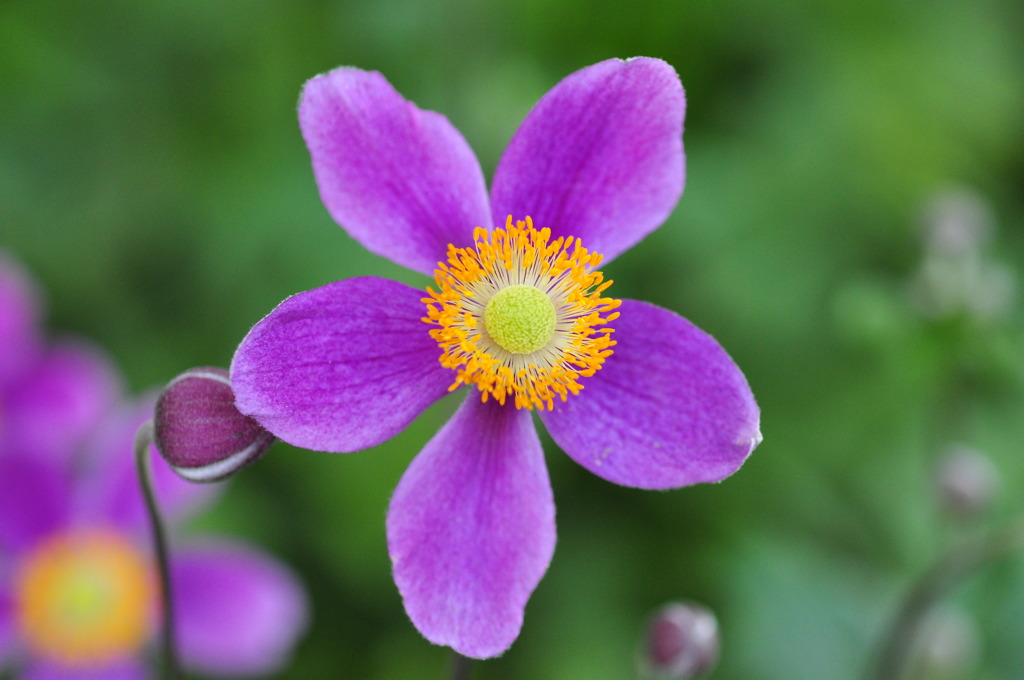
column 143, row 441
column 460, row 667
column 958, row 563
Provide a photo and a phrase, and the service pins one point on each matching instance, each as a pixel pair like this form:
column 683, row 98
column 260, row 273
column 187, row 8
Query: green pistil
column 520, row 318
column 83, row 595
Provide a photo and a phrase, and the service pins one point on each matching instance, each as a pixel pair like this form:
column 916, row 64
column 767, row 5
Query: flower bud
column 681, row 642
column 947, row 646
column 957, row 220
column 966, row 481
column 957, row 275
column 200, row 432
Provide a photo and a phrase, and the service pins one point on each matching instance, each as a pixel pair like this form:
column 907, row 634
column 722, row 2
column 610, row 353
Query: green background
column 153, row 178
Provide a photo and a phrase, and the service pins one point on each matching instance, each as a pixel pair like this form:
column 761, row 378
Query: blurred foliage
column 153, row 177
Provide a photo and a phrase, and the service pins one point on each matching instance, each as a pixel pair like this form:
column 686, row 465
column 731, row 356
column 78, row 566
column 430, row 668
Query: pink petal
column 33, row 501
column 402, row 181
column 471, row 529
column 600, row 157
column 59, row 401
column 239, row 611
column 340, row 368
column 669, row 408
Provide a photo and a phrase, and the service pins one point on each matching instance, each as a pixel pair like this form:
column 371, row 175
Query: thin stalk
column 143, row 440
column 955, row 565
column 460, row 667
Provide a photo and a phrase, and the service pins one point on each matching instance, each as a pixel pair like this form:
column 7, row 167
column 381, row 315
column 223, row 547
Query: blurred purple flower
column 598, row 164
column 52, row 393
column 78, row 594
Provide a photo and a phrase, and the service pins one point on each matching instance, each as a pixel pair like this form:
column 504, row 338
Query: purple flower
column 52, row 393
column 78, row 593
column 517, row 310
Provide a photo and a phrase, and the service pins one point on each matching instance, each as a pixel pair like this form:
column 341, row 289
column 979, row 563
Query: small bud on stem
column 681, row 643
column 966, row 482
column 200, row 432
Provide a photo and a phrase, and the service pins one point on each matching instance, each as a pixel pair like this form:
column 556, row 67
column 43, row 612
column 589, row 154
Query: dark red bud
column 200, row 432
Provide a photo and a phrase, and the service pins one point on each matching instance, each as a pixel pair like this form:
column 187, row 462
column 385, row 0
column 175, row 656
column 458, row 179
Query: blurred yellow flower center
column 520, row 315
column 85, row 598
column 520, row 318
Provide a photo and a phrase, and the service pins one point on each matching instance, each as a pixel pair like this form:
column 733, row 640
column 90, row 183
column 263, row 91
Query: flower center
column 521, row 315
column 85, row 598
column 520, row 318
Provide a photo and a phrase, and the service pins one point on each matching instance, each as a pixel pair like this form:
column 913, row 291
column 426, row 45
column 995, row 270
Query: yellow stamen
column 520, row 315
column 85, row 598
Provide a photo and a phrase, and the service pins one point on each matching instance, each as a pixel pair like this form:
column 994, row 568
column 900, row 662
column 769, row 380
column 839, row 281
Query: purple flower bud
column 200, row 432
column 681, row 642
column 966, row 481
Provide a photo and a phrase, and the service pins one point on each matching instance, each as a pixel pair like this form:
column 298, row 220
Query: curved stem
column 143, row 440
column 460, row 667
column 958, row 563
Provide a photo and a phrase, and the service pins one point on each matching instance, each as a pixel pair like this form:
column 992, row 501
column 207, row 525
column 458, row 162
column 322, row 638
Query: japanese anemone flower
column 517, row 312
column 78, row 586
